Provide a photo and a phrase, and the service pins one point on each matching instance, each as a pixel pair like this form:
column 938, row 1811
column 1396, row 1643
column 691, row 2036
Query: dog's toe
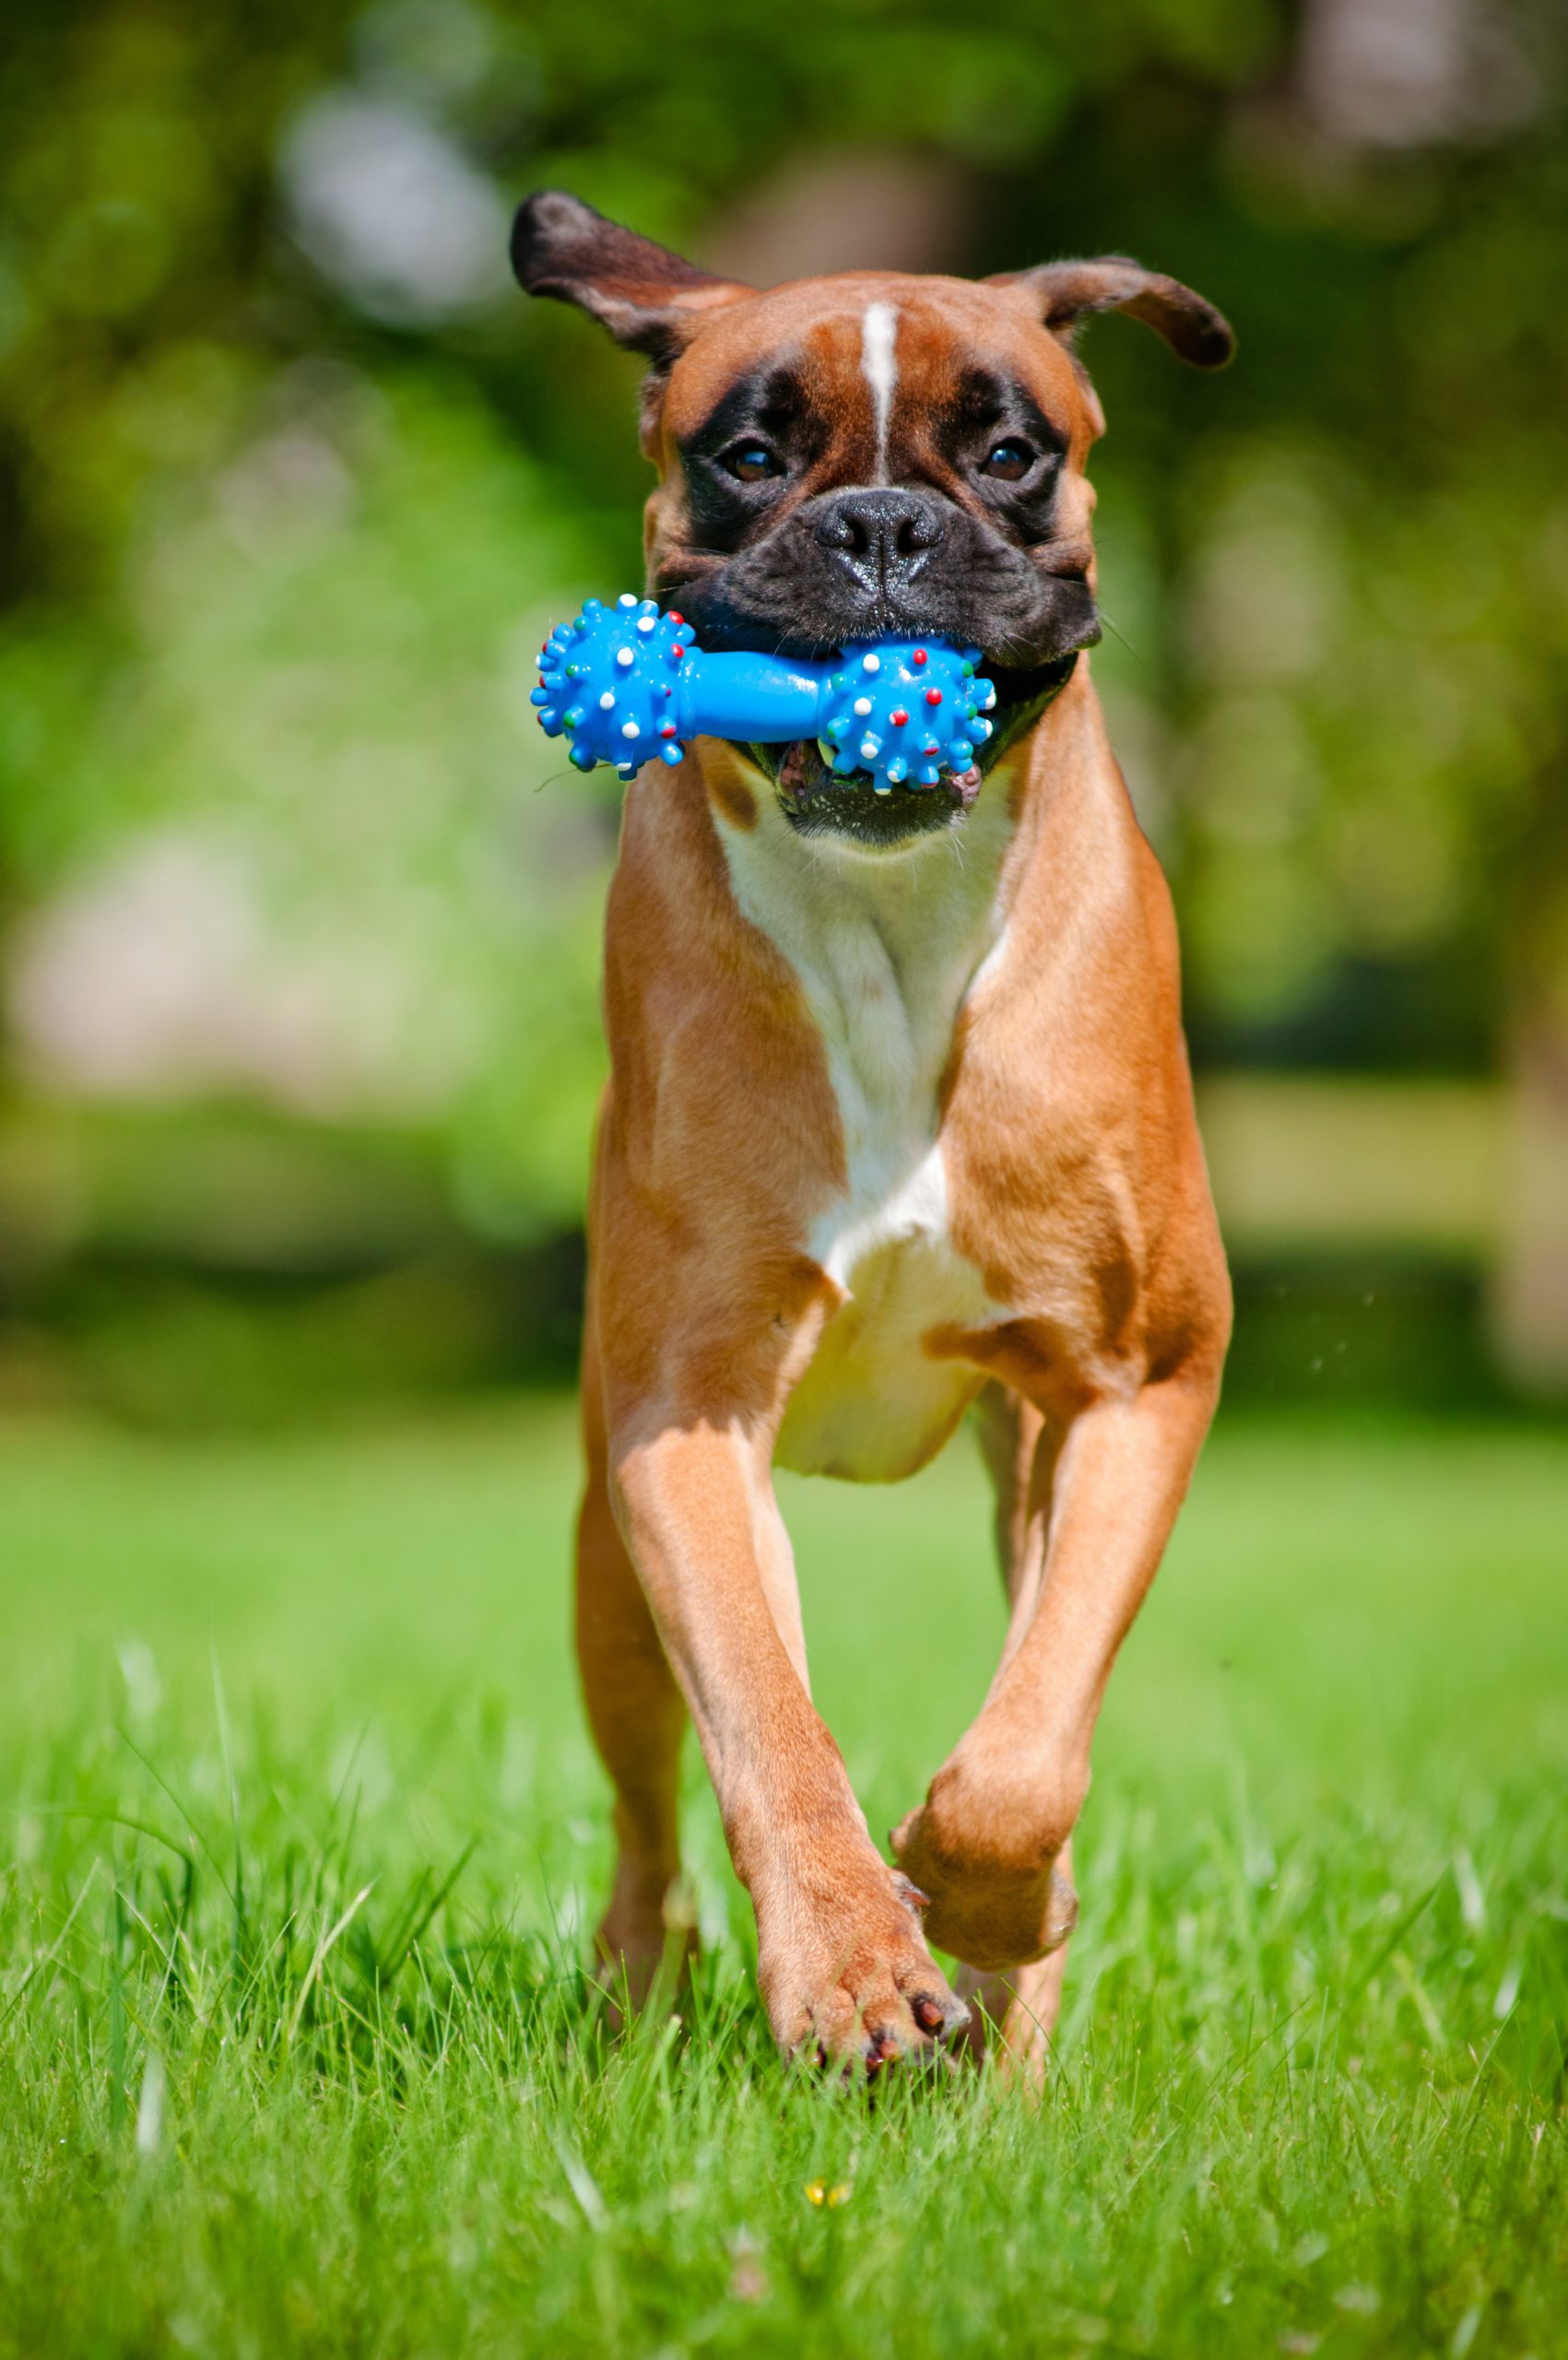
column 852, row 1983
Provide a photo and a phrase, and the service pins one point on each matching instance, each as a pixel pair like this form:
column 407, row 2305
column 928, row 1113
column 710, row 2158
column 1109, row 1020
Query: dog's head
column 864, row 455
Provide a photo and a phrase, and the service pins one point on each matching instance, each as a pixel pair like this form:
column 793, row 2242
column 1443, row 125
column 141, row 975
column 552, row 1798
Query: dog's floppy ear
column 1065, row 291
column 649, row 298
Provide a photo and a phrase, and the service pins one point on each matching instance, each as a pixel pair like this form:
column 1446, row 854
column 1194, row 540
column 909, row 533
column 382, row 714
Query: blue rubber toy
column 623, row 683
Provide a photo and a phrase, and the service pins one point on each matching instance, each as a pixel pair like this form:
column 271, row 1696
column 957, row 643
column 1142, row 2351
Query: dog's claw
column 883, row 2050
column 909, row 1893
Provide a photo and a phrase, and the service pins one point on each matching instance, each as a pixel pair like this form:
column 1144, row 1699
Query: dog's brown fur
column 1060, row 1115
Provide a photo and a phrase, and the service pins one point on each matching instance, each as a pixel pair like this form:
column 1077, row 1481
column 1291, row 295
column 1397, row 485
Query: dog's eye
column 1009, row 460
column 750, row 463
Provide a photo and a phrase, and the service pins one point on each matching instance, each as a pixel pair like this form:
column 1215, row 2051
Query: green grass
column 302, row 1836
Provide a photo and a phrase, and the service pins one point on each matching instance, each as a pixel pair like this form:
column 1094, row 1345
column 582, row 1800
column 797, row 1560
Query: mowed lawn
column 302, row 1838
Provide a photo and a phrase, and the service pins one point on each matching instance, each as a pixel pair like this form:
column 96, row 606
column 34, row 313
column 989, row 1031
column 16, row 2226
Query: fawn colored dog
column 898, row 1122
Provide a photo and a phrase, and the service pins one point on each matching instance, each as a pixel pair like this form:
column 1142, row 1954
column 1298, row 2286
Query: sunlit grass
column 302, row 1834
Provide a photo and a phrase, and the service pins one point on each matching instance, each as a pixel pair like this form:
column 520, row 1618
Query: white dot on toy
column 629, row 729
column 606, row 703
column 870, row 663
column 863, row 706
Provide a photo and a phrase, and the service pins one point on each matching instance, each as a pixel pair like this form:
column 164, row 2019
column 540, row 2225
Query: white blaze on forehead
column 878, row 361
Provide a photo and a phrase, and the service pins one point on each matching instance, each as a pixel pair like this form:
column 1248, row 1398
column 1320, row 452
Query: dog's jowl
column 899, row 1123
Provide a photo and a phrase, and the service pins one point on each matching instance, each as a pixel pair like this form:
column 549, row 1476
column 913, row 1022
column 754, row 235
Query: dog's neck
column 887, row 946
column 884, row 944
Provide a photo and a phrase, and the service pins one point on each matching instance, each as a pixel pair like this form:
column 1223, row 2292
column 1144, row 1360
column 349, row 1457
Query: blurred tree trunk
column 1530, row 1297
column 1531, row 1303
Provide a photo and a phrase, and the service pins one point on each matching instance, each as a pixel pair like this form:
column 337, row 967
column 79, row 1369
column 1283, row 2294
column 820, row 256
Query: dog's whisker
column 1117, row 633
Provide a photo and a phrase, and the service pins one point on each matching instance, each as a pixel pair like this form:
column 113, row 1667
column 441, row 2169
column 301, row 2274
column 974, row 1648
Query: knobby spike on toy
column 624, row 683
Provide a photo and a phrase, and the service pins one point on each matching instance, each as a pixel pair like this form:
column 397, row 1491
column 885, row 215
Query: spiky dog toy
column 623, row 683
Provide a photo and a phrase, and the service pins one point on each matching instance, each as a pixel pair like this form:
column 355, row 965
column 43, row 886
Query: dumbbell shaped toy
column 623, row 683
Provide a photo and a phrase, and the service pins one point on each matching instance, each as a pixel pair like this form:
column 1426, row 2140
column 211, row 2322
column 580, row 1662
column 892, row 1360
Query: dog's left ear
column 650, row 300
column 1067, row 291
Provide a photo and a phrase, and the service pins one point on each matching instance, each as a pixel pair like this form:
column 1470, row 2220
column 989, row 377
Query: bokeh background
column 299, row 914
column 301, row 1834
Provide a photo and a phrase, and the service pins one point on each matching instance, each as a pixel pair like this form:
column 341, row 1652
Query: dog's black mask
column 777, row 558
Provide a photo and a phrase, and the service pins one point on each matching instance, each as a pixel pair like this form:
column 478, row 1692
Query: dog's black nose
column 881, row 532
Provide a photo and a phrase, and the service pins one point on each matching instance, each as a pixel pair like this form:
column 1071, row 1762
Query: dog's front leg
column 841, row 1960
column 987, row 1841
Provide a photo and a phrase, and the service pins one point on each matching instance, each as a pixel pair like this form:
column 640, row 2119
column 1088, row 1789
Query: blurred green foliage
column 290, row 476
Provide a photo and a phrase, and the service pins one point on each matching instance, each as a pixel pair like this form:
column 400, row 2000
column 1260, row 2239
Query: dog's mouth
column 819, row 801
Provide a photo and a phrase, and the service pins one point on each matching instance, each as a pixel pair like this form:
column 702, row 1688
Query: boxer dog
column 899, row 1123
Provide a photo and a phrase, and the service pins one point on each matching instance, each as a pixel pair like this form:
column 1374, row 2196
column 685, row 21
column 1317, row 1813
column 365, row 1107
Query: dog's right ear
column 649, row 298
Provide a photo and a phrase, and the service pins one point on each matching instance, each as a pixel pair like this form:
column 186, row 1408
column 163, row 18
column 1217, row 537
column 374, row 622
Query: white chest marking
column 878, row 362
column 887, row 947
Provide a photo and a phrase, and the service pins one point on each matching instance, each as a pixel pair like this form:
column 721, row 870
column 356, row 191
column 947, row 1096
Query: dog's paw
column 991, row 1907
column 642, row 1951
column 847, row 1979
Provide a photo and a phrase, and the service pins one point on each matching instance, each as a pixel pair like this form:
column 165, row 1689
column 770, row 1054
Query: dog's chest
column 887, row 950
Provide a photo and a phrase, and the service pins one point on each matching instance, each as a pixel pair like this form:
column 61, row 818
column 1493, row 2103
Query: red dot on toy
column 898, row 717
column 918, row 656
column 667, row 730
column 678, row 621
column 933, row 696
